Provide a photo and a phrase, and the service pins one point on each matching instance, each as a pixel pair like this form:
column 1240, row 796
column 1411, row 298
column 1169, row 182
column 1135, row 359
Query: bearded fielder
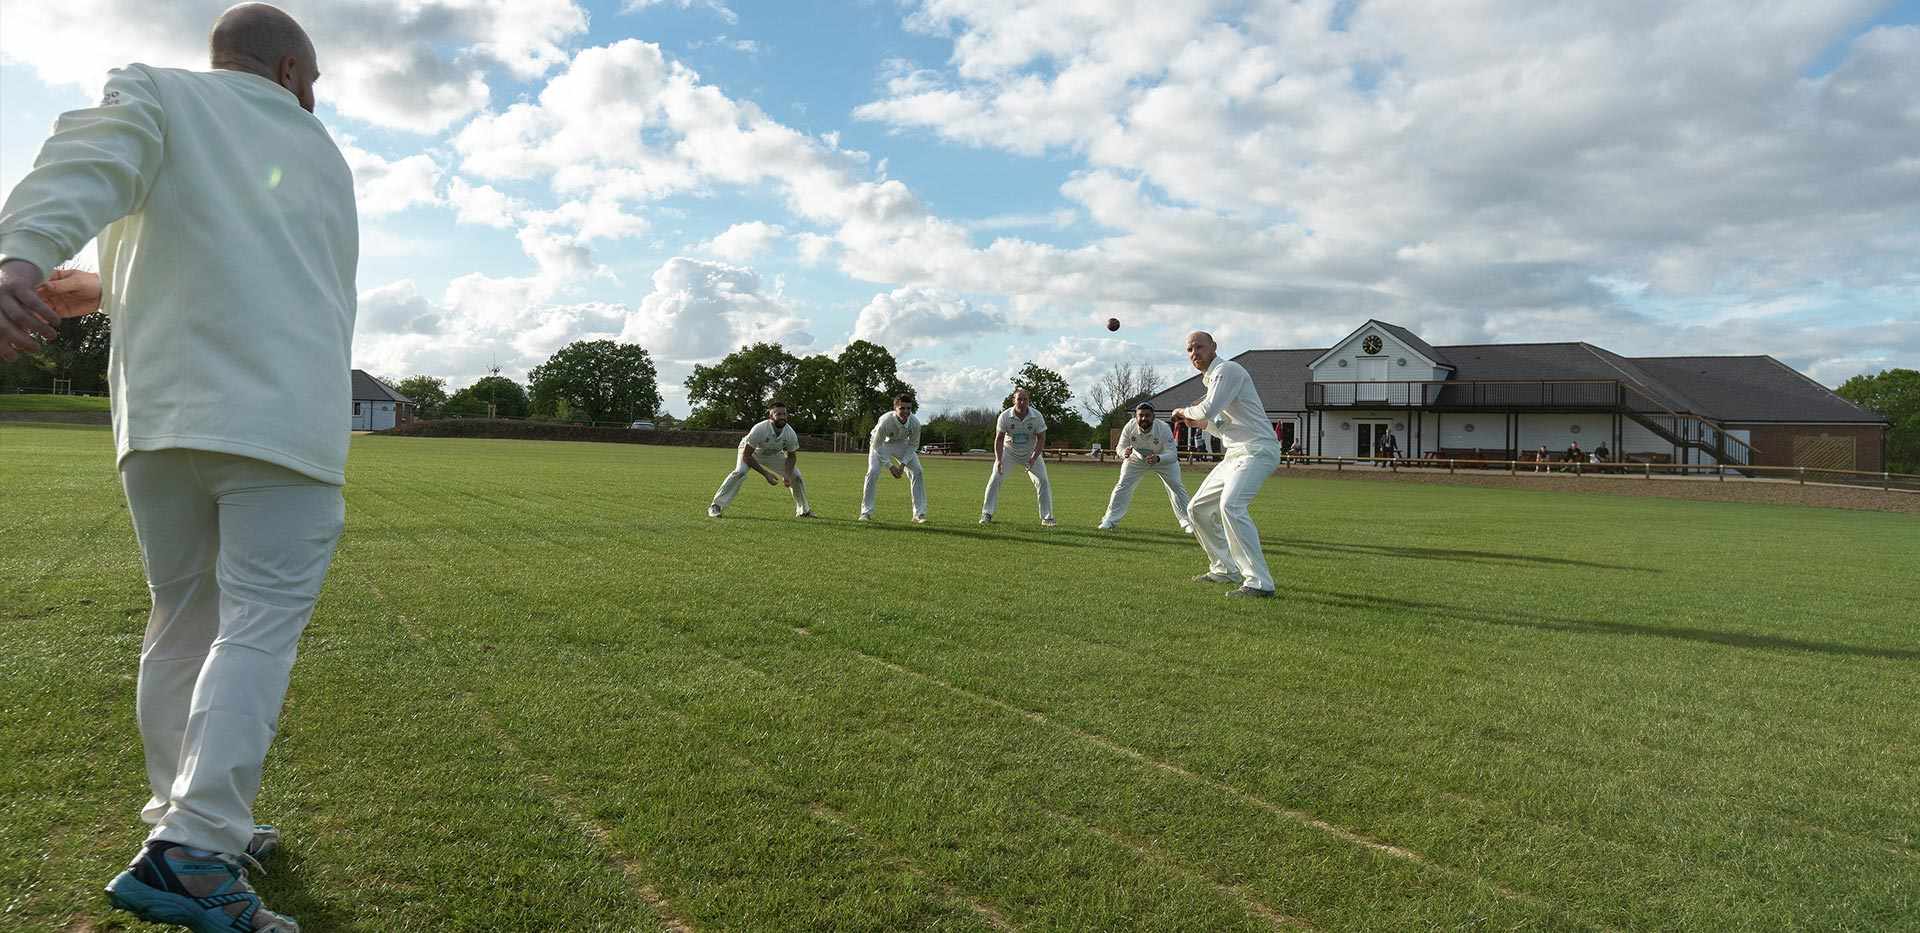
column 1019, row 438
column 1218, row 510
column 770, row 441
column 228, row 242
column 1146, row 447
column 895, row 446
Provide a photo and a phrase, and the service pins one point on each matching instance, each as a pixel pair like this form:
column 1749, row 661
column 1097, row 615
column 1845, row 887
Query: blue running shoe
column 206, row 892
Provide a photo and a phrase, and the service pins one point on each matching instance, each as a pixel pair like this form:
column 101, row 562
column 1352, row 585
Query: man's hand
column 71, row 292
column 787, row 481
column 1036, row 456
column 1153, row 458
column 25, row 320
column 772, row 480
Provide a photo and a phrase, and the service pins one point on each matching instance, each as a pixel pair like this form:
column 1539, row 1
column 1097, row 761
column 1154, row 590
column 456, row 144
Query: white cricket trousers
column 1013, row 460
column 1218, row 511
column 1132, row 471
column 730, row 486
column 235, row 551
column 916, row 480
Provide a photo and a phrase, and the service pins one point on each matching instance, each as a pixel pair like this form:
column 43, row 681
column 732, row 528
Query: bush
column 554, row 431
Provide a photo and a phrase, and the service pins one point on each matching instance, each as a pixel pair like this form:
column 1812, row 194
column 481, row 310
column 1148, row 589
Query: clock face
column 1371, row 344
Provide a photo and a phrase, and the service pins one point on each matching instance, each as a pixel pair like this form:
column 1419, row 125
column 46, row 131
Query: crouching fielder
column 1218, row 510
column 896, row 436
column 1019, row 438
column 1146, row 446
column 770, row 441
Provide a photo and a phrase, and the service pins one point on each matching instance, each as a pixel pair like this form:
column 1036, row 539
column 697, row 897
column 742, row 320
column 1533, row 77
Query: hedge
column 561, row 431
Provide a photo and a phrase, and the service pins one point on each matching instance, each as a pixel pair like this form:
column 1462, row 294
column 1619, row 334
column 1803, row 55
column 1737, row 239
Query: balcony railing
column 1542, row 394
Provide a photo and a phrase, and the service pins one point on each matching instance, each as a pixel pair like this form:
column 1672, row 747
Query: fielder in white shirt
column 895, row 446
column 1218, row 510
column 228, row 242
column 1019, row 438
column 770, row 441
column 1146, row 446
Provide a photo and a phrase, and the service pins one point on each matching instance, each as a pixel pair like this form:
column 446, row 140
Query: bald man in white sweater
column 228, row 242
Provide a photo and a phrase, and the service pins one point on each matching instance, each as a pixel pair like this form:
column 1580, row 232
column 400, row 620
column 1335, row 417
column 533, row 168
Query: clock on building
column 1372, row 344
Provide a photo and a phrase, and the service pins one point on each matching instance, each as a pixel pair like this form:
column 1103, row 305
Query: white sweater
column 228, row 240
column 894, row 437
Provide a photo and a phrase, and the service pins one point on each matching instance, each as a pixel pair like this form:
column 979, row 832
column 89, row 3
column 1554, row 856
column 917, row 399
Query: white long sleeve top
column 228, row 243
column 1231, row 407
column 895, row 437
column 1136, row 444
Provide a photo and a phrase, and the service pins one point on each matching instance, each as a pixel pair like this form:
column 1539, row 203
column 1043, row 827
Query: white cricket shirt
column 771, row 447
column 894, row 437
column 228, row 241
column 1022, row 433
column 1231, row 408
column 1155, row 440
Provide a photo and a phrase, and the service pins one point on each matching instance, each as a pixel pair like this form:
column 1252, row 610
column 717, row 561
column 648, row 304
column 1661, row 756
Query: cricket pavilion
column 1505, row 401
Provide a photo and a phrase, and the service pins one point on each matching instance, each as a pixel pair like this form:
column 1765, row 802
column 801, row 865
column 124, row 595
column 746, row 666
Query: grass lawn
column 544, row 692
column 15, row 402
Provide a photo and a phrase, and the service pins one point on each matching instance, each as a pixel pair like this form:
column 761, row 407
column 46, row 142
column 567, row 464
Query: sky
column 980, row 183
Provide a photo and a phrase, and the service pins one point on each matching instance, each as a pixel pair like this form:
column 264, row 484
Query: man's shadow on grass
column 1460, row 555
column 284, row 891
column 1511, row 619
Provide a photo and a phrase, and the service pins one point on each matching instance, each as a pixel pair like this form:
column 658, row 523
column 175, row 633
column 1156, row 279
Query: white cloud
column 906, row 319
column 483, row 205
column 382, row 186
column 416, row 66
column 1471, row 167
column 742, row 242
column 699, row 310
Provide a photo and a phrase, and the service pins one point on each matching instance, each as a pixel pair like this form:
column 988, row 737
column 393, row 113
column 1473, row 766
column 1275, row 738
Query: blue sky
column 978, row 183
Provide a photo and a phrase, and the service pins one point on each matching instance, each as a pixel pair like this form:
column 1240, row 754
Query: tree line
column 601, row 380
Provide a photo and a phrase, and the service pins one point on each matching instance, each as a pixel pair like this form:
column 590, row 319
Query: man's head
column 777, row 413
column 903, row 406
column 1022, row 402
column 1143, row 415
column 1201, row 350
column 260, row 39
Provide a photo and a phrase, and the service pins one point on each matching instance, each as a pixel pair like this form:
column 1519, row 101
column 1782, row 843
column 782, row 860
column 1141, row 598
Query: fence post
column 1723, row 472
column 1579, row 468
column 1886, row 481
column 1649, row 466
column 1803, row 476
column 1339, row 465
column 1449, row 466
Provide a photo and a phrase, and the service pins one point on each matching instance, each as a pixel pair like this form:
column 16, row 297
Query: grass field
column 38, row 403
column 544, row 692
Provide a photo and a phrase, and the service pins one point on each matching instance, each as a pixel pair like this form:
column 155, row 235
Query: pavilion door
column 1373, row 374
column 1372, row 434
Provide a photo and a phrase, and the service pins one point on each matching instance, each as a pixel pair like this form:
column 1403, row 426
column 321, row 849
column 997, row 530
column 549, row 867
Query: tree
column 1896, row 394
column 597, row 380
column 1049, row 391
column 734, row 392
column 872, row 377
column 1110, row 400
column 77, row 352
column 508, row 398
column 966, row 429
column 429, row 394
column 818, row 398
